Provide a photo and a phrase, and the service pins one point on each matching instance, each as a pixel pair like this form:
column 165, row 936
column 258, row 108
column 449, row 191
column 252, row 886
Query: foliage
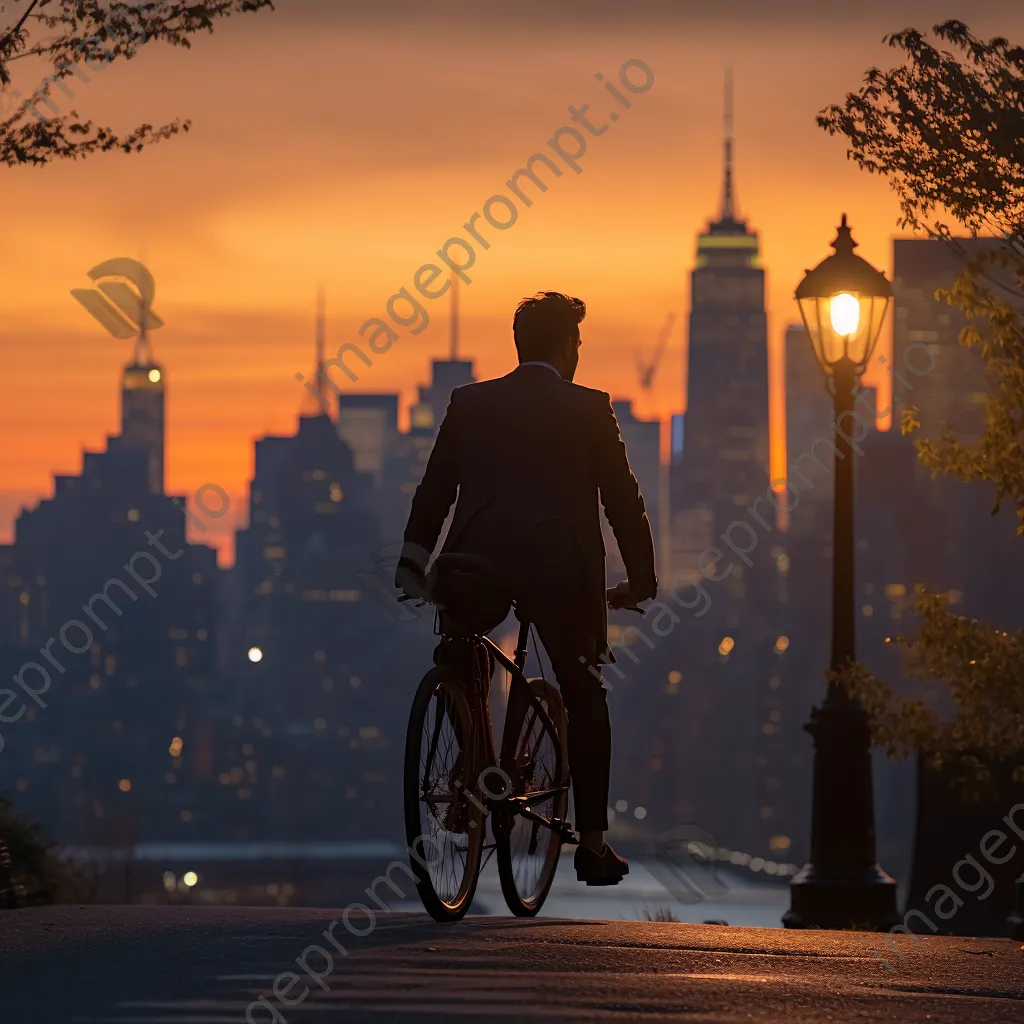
column 947, row 131
column 62, row 35
column 982, row 669
column 34, row 864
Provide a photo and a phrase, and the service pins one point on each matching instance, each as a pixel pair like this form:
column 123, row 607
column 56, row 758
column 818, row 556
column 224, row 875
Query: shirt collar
column 537, row 362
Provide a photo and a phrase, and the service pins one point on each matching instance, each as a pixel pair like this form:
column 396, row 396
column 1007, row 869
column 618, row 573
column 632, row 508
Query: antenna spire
column 728, row 205
column 453, row 345
column 317, row 387
column 320, row 332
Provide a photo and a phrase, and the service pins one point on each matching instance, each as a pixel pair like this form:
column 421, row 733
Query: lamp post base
column 865, row 900
column 843, row 885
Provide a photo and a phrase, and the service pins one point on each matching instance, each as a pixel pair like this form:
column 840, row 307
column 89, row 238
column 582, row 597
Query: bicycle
column 523, row 788
column 450, row 724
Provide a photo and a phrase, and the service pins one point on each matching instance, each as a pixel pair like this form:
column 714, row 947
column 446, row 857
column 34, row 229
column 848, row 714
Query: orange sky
column 347, row 152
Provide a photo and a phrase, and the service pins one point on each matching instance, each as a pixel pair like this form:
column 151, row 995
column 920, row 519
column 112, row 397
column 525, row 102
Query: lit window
column 675, row 677
column 175, row 748
column 133, row 515
column 867, row 611
column 369, row 732
column 124, row 785
column 779, row 843
column 336, row 492
column 894, row 590
column 726, row 645
column 782, row 644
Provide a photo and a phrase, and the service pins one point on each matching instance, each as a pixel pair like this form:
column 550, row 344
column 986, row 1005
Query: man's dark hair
column 542, row 324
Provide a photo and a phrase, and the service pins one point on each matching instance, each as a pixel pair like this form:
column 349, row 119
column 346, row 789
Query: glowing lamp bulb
column 255, row 654
column 154, row 376
column 844, row 311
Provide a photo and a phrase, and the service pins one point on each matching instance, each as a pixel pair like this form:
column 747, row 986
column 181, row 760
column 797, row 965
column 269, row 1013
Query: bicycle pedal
column 569, row 837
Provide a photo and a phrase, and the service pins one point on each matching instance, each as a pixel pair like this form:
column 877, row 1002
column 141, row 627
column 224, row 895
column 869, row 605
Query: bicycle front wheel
column 535, row 757
column 444, row 822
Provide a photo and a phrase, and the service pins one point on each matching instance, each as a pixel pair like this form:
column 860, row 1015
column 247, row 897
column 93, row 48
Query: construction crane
column 646, row 369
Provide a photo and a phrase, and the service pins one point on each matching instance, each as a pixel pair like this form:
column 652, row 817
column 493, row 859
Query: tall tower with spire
column 731, row 656
column 142, row 408
column 446, row 375
column 724, row 465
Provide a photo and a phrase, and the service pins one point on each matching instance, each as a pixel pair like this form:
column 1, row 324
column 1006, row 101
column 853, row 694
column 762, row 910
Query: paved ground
column 138, row 965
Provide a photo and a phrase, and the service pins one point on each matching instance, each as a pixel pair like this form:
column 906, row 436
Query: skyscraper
column 142, row 411
column 725, row 731
column 725, row 463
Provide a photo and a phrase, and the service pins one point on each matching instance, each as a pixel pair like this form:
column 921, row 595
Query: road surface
column 186, row 965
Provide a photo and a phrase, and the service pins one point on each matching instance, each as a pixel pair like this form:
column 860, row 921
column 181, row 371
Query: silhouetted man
column 529, row 456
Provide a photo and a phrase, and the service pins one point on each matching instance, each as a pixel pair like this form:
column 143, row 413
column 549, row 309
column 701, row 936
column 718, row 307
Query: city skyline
column 236, row 290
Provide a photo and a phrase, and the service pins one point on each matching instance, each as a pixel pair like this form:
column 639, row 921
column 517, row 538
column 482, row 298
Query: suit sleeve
column 435, row 494
column 624, row 504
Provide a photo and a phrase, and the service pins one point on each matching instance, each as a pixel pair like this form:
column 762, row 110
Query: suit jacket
column 530, row 455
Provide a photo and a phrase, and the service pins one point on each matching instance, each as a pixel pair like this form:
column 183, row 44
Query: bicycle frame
column 487, row 757
column 515, row 667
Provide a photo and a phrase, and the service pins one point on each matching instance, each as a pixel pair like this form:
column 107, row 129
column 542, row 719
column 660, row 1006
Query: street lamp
column 843, row 302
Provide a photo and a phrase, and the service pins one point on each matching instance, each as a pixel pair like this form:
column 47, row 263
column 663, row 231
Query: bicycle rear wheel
column 443, row 824
column 535, row 756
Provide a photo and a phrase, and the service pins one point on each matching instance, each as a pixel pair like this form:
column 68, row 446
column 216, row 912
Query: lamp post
column 843, row 302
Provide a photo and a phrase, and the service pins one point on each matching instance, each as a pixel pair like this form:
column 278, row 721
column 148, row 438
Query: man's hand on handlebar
column 412, row 584
column 620, row 596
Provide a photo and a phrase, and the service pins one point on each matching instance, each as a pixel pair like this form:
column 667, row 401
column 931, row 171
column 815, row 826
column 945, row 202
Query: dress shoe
column 604, row 868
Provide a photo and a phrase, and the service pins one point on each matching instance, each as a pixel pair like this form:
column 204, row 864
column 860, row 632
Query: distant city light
column 844, row 312
column 154, row 376
column 781, row 644
column 190, row 878
column 255, row 654
column 175, row 748
column 726, row 645
column 170, row 882
column 124, row 785
column 640, row 813
column 621, row 805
